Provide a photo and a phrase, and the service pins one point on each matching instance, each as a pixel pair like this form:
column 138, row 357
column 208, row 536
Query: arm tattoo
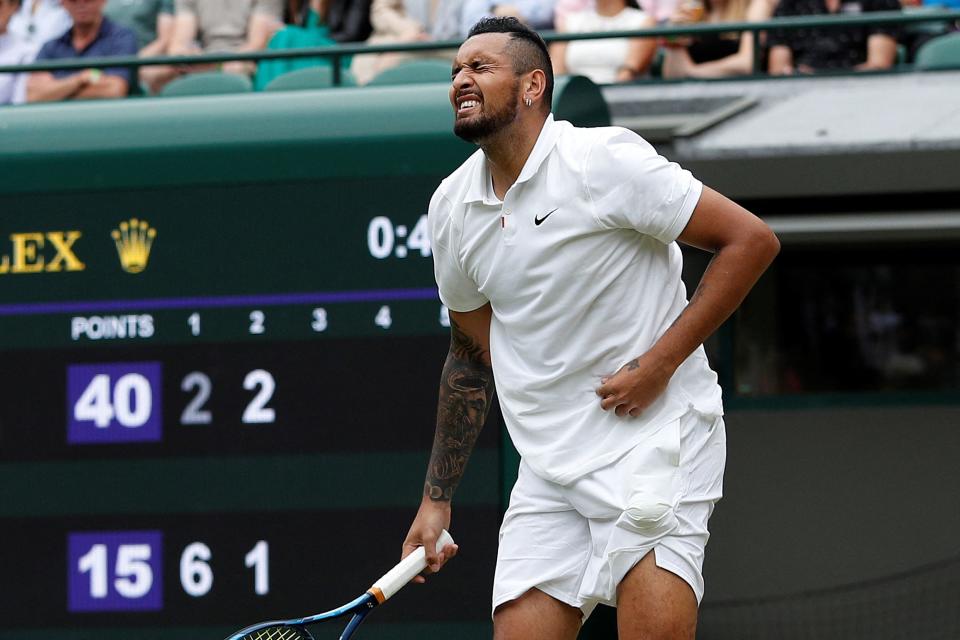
column 696, row 295
column 466, row 389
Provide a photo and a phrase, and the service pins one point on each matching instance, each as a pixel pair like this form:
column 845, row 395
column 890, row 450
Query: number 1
column 95, row 561
column 259, row 559
column 194, row 322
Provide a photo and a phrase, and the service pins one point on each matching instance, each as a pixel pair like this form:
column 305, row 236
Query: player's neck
column 507, row 151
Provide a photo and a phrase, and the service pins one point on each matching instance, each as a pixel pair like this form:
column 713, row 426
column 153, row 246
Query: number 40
column 130, row 403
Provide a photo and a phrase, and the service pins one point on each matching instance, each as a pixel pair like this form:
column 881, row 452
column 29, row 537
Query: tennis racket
column 382, row 589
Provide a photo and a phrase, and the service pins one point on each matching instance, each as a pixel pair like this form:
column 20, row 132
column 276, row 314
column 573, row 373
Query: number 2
column 257, row 319
column 257, row 411
column 194, row 413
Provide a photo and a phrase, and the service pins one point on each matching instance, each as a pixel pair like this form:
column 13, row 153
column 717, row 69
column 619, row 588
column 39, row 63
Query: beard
column 484, row 125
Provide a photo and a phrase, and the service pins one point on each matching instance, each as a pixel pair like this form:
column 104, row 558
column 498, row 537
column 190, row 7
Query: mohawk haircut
column 526, row 49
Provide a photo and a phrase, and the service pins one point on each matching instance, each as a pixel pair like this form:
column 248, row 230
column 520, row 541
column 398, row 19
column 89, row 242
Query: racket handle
column 405, row 570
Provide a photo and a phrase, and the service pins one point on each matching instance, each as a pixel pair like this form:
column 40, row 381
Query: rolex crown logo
column 134, row 239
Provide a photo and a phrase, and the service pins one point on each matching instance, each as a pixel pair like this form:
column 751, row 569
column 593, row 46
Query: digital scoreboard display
column 217, row 408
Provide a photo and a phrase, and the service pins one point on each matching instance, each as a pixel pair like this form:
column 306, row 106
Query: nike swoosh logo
column 538, row 221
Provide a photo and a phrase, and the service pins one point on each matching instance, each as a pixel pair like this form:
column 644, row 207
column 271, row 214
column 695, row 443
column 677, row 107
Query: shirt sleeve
column 123, row 42
column 632, row 187
column 47, row 51
column 19, row 88
column 457, row 291
column 19, row 95
column 574, row 22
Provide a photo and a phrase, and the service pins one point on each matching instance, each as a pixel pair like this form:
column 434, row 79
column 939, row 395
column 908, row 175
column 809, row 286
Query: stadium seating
column 413, row 72
column 939, row 53
column 207, row 84
column 309, row 78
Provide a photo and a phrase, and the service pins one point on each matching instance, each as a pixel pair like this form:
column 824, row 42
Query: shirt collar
column 480, row 188
column 106, row 27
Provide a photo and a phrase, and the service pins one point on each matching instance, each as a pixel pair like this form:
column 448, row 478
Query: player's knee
column 664, row 629
column 648, row 517
column 535, row 615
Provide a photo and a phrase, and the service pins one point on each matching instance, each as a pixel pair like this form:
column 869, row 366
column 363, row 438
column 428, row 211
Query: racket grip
column 405, row 570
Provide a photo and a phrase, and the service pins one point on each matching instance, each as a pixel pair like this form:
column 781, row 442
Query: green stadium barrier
column 253, row 137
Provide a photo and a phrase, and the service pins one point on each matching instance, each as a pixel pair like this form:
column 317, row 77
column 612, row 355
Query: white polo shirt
column 582, row 272
column 13, row 86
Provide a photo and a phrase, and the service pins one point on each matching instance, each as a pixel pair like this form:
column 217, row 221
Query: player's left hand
column 635, row 386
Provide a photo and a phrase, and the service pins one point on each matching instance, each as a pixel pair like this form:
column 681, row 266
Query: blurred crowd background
column 49, row 30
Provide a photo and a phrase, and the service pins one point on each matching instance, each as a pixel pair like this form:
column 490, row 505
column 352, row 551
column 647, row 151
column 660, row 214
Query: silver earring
column 528, row 102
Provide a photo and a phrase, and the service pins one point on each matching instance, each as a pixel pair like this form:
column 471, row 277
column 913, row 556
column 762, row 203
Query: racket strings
column 278, row 633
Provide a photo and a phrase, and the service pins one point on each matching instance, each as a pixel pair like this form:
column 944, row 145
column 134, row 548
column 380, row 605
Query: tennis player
column 555, row 250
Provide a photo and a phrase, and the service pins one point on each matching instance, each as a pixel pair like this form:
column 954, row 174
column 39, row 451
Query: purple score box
column 121, row 402
column 114, row 571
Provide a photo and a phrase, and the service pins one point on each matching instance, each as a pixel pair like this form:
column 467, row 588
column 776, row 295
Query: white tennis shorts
column 577, row 542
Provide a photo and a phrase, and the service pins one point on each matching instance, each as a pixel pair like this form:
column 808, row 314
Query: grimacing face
column 485, row 91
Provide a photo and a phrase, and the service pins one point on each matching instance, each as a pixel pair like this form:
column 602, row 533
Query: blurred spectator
column 660, row 10
column 152, row 22
column 296, row 12
column 225, row 25
column 716, row 55
column 810, row 50
column 39, row 21
column 13, row 50
column 313, row 33
column 395, row 22
column 537, row 14
column 446, row 21
column 610, row 59
column 91, row 36
column 563, row 8
column 349, row 20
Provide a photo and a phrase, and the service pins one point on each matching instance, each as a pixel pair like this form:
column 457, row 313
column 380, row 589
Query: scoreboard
column 217, row 408
column 221, row 344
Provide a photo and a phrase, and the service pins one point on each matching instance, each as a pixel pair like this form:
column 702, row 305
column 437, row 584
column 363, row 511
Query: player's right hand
column 432, row 519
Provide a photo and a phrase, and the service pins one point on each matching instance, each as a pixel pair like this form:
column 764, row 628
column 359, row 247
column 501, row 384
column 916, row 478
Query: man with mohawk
column 555, row 250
